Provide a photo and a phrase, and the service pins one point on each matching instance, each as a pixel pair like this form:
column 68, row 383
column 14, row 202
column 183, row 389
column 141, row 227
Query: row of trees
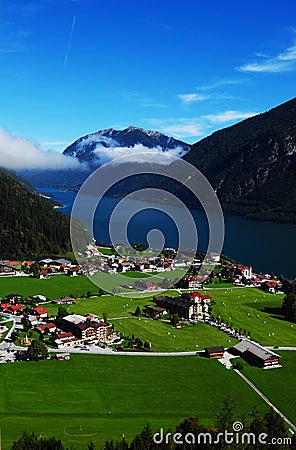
column 271, row 424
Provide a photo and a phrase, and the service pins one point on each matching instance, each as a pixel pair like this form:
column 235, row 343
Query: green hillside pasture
column 105, row 396
column 53, row 287
column 165, row 338
column 113, row 305
column 279, row 385
column 257, row 312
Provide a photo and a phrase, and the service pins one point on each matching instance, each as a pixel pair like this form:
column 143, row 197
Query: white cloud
column 189, row 128
column 192, row 98
column 283, row 62
column 220, row 83
column 228, row 116
column 179, row 128
column 18, row 153
column 54, row 146
column 138, row 153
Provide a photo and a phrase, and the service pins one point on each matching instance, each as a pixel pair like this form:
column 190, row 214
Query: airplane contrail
column 70, row 39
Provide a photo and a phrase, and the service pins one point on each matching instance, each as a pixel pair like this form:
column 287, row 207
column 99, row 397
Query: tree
column 257, row 426
column 14, row 335
column 175, row 320
column 105, row 318
column 144, row 440
column 37, row 351
column 26, row 323
column 238, row 366
column 289, row 307
column 138, row 311
column 62, row 312
column 31, row 441
column 227, row 415
column 275, row 425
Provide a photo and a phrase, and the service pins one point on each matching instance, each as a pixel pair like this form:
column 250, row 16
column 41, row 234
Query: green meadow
column 246, row 308
column 279, row 385
column 165, row 338
column 257, row 312
column 93, row 397
column 53, row 287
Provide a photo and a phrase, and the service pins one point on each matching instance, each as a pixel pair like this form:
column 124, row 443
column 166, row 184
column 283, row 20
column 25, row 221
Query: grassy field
column 245, row 308
column 255, row 311
column 52, row 287
column 110, row 395
column 165, row 338
column 279, row 385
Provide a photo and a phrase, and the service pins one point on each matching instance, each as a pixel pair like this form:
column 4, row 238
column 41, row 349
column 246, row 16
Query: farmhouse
column 11, row 309
column 143, row 285
column 257, row 355
column 14, row 298
column 39, row 312
column 63, row 301
column 154, row 311
column 214, row 352
column 50, row 326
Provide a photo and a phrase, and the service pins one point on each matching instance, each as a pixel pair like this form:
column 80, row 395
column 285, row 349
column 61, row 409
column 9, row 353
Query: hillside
column 29, row 226
column 252, row 165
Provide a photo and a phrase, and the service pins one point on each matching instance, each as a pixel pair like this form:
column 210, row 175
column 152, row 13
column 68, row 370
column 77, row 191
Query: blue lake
column 268, row 247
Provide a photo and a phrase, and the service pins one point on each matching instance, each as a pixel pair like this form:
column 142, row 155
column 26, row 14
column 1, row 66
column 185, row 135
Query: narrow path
column 291, row 425
column 282, row 348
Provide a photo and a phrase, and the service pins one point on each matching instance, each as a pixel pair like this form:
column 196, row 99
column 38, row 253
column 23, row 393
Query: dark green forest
column 29, row 226
column 252, row 165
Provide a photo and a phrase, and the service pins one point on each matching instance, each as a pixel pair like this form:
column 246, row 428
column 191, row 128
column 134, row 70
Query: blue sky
column 185, row 68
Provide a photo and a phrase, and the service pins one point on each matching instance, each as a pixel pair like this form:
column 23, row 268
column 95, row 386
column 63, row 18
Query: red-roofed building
column 40, row 312
column 50, row 326
column 16, row 308
column 270, row 286
column 11, row 309
column 67, row 340
column 197, row 296
column 189, row 282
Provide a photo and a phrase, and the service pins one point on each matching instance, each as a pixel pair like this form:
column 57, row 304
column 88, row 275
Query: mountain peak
column 105, row 145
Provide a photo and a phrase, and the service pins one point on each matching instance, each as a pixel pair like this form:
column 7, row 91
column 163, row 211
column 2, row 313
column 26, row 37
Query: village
column 67, row 332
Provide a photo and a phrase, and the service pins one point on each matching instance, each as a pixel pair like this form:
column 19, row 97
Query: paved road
column 281, row 348
column 291, row 425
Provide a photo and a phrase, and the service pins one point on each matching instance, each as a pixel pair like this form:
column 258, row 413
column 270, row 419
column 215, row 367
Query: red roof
column 65, row 335
column 46, row 325
column 16, row 307
column 199, row 295
column 5, row 305
column 40, row 310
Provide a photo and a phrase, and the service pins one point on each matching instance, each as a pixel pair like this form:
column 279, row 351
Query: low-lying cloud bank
column 138, row 153
column 18, row 153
